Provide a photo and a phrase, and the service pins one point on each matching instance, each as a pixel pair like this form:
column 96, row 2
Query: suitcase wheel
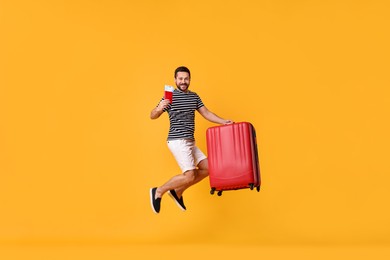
column 251, row 186
column 212, row 191
column 219, row 193
column 258, row 188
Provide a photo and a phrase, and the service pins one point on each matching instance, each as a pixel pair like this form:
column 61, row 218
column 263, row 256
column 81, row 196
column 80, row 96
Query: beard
column 183, row 87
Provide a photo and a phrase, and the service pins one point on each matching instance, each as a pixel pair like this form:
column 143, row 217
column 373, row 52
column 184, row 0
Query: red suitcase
column 233, row 157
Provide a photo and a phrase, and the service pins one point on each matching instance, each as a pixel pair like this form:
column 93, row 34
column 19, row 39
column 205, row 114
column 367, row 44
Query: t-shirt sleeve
column 199, row 102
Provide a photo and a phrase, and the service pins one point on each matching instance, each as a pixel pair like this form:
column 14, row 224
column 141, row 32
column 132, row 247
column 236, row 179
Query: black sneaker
column 179, row 202
column 155, row 202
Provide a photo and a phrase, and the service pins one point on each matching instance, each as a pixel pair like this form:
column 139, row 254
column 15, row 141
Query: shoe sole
column 177, row 203
column 151, row 200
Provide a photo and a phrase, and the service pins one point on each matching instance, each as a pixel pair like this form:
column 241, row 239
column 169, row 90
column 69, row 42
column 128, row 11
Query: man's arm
column 157, row 111
column 210, row 116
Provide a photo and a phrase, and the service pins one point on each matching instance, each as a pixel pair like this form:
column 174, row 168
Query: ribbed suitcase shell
column 233, row 157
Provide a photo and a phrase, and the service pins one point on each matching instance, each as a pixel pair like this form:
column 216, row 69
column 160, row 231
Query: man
column 181, row 142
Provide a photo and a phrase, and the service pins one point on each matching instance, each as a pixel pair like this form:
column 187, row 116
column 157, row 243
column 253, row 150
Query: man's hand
column 157, row 111
column 163, row 104
column 228, row 122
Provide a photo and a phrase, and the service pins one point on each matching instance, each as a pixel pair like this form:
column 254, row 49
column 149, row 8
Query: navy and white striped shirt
column 182, row 114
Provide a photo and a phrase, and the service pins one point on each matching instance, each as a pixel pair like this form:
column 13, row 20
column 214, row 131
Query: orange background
column 78, row 152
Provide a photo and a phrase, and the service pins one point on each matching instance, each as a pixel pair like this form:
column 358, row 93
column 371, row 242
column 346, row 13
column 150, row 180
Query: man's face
column 182, row 81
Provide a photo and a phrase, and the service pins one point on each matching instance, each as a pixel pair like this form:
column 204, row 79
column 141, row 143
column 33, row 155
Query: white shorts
column 187, row 155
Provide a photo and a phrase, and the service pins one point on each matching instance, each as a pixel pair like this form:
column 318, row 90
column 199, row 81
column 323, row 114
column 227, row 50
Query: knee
column 190, row 176
column 204, row 168
column 204, row 165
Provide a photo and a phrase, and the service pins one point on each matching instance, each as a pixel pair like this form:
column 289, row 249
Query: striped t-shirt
column 182, row 114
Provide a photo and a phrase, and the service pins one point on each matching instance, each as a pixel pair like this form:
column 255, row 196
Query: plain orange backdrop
column 78, row 152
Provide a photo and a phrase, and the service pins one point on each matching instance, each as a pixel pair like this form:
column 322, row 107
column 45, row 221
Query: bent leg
column 176, row 182
column 186, row 155
column 201, row 173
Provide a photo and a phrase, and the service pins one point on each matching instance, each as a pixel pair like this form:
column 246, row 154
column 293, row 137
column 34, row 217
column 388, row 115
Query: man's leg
column 181, row 182
column 201, row 173
column 176, row 182
column 185, row 154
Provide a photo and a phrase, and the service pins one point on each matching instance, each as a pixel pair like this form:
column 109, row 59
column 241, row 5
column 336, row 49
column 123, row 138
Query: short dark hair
column 182, row 69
